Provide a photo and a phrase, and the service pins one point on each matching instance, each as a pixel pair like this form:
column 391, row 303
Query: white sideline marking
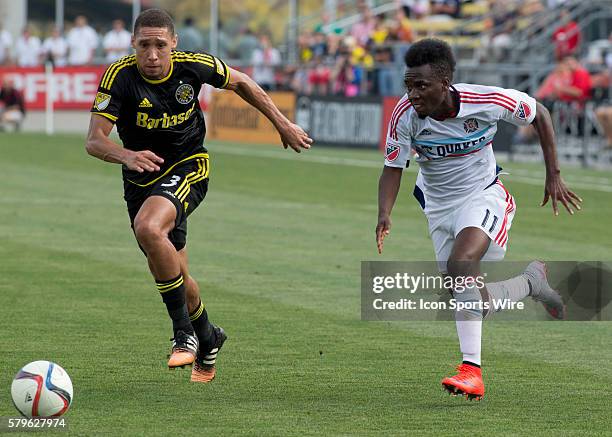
column 519, row 175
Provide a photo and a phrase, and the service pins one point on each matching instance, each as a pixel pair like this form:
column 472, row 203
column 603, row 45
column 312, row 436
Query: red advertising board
column 388, row 106
column 73, row 87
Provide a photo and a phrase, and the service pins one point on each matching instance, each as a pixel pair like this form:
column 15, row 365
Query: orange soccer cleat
column 184, row 349
column 204, row 369
column 467, row 382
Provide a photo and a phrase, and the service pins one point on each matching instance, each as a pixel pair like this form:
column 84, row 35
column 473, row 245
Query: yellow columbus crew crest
column 184, row 93
column 102, row 101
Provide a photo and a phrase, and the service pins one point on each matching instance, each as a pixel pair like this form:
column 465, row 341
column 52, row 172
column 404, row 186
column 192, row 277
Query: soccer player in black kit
column 152, row 97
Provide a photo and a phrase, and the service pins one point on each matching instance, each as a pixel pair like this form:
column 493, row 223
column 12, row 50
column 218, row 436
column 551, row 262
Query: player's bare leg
column 211, row 337
column 470, row 246
column 152, row 224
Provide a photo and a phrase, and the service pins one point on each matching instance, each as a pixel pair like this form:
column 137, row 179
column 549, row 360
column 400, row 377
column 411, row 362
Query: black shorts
column 185, row 185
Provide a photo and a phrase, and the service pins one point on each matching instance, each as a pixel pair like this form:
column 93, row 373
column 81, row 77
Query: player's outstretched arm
column 388, row 187
column 99, row 145
column 291, row 134
column 554, row 189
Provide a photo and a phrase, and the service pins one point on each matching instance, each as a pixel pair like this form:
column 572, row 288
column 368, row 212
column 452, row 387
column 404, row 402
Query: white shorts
column 491, row 210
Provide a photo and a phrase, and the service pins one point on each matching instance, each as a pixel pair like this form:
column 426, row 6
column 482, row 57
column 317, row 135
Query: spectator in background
column 28, row 49
column 345, row 77
column 12, row 108
column 415, row 8
column 247, row 44
column 264, row 61
column 6, row 42
column 117, row 42
column 567, row 36
column 319, row 78
column 402, row 30
column 190, row 39
column 327, row 27
column 55, row 48
column 319, row 45
column 82, row 42
column 604, row 117
column 569, row 83
column 362, row 29
column 444, row 9
column 580, row 84
column 551, row 88
column 224, row 44
column 380, row 33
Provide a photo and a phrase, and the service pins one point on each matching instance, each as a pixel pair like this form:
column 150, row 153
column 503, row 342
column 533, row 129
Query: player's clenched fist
column 142, row 161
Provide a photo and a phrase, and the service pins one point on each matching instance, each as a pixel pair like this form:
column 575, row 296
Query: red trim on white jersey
column 401, row 101
column 396, row 117
column 478, row 101
column 501, row 96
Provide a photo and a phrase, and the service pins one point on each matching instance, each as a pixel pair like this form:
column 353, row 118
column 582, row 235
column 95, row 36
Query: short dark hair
column 434, row 52
column 154, row 18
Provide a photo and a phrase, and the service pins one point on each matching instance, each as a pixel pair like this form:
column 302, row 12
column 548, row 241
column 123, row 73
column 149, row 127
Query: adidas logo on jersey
column 145, row 103
column 425, row 132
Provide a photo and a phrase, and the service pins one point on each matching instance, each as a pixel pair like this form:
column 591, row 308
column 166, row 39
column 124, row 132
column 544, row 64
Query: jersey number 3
column 173, row 181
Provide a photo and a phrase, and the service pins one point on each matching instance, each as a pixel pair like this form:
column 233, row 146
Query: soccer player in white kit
column 450, row 128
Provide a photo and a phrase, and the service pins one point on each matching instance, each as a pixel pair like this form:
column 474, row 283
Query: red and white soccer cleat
column 467, row 382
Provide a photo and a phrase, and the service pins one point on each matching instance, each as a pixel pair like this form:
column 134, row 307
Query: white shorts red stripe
column 502, row 236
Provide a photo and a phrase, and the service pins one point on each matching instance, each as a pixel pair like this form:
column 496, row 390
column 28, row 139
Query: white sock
column 514, row 289
column 469, row 325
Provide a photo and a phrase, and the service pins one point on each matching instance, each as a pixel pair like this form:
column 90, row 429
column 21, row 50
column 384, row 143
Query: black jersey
column 163, row 115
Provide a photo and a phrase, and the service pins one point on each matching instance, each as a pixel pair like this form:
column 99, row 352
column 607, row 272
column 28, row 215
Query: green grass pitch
column 277, row 247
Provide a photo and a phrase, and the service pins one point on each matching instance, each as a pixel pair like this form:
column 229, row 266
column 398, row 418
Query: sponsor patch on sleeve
column 392, row 152
column 523, row 111
column 102, row 101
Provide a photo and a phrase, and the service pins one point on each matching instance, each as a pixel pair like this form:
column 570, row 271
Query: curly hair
column 154, row 18
column 434, row 52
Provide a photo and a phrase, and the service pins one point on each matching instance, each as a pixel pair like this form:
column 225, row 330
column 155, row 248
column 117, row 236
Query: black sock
column 202, row 327
column 471, row 364
column 173, row 295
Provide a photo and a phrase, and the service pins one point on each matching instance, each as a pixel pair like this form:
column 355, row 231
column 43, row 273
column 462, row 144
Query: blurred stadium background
column 278, row 244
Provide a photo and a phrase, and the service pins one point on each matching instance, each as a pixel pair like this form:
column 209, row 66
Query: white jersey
column 455, row 155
